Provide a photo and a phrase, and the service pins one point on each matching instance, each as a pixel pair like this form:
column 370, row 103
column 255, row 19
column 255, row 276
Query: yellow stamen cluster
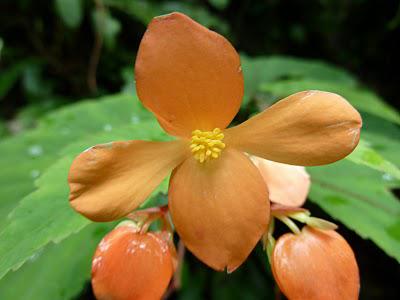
column 207, row 144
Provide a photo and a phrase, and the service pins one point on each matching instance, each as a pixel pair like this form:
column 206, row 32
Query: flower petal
column 188, row 76
column 287, row 185
column 108, row 181
column 220, row 208
column 131, row 265
column 315, row 265
column 307, row 128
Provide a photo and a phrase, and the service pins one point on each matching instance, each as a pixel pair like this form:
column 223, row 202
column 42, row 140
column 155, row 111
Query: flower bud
column 315, row 265
column 129, row 265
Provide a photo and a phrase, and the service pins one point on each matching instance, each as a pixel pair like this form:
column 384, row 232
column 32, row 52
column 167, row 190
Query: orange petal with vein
column 306, row 129
column 108, row 181
column 287, row 185
column 129, row 265
column 315, row 265
column 220, row 208
column 188, row 76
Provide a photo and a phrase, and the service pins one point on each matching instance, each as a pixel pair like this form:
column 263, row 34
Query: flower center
column 207, row 144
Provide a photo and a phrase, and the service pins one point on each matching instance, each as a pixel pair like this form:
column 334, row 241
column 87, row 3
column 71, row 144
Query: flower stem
column 289, row 223
column 270, row 247
column 306, row 218
column 144, row 217
column 268, row 240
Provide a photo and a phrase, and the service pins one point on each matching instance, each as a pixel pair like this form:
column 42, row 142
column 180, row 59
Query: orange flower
column 191, row 79
column 315, row 264
column 129, row 265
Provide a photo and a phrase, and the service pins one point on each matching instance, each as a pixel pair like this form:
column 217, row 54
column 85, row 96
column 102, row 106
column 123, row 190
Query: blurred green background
column 66, row 83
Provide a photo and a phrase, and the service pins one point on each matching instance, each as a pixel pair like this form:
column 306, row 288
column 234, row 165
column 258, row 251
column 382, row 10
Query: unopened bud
column 130, row 265
column 315, row 264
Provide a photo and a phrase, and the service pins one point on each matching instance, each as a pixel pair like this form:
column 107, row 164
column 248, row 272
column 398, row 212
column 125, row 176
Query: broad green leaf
column 365, row 101
column 365, row 155
column 58, row 271
column 383, row 136
column 357, row 196
column 38, row 148
column 40, row 218
column 70, row 11
column 45, row 216
column 263, row 70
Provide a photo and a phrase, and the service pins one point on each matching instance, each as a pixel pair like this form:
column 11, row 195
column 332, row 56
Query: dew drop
column 135, row 119
column 35, row 256
column 35, row 174
column 35, row 150
column 387, row 177
column 107, row 127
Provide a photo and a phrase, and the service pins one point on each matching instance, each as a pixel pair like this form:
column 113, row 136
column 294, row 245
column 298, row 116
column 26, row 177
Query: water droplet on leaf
column 35, row 150
column 107, row 127
column 35, row 174
column 135, row 119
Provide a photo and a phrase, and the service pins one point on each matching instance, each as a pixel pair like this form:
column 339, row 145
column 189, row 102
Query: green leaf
column 57, row 272
column 356, row 195
column 383, row 136
column 365, row 155
column 363, row 100
column 40, row 147
column 70, row 11
column 45, row 215
column 37, row 219
column 262, row 70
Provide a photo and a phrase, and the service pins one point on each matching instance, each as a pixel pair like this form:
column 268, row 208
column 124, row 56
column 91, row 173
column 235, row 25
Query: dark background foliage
column 47, row 63
column 359, row 35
